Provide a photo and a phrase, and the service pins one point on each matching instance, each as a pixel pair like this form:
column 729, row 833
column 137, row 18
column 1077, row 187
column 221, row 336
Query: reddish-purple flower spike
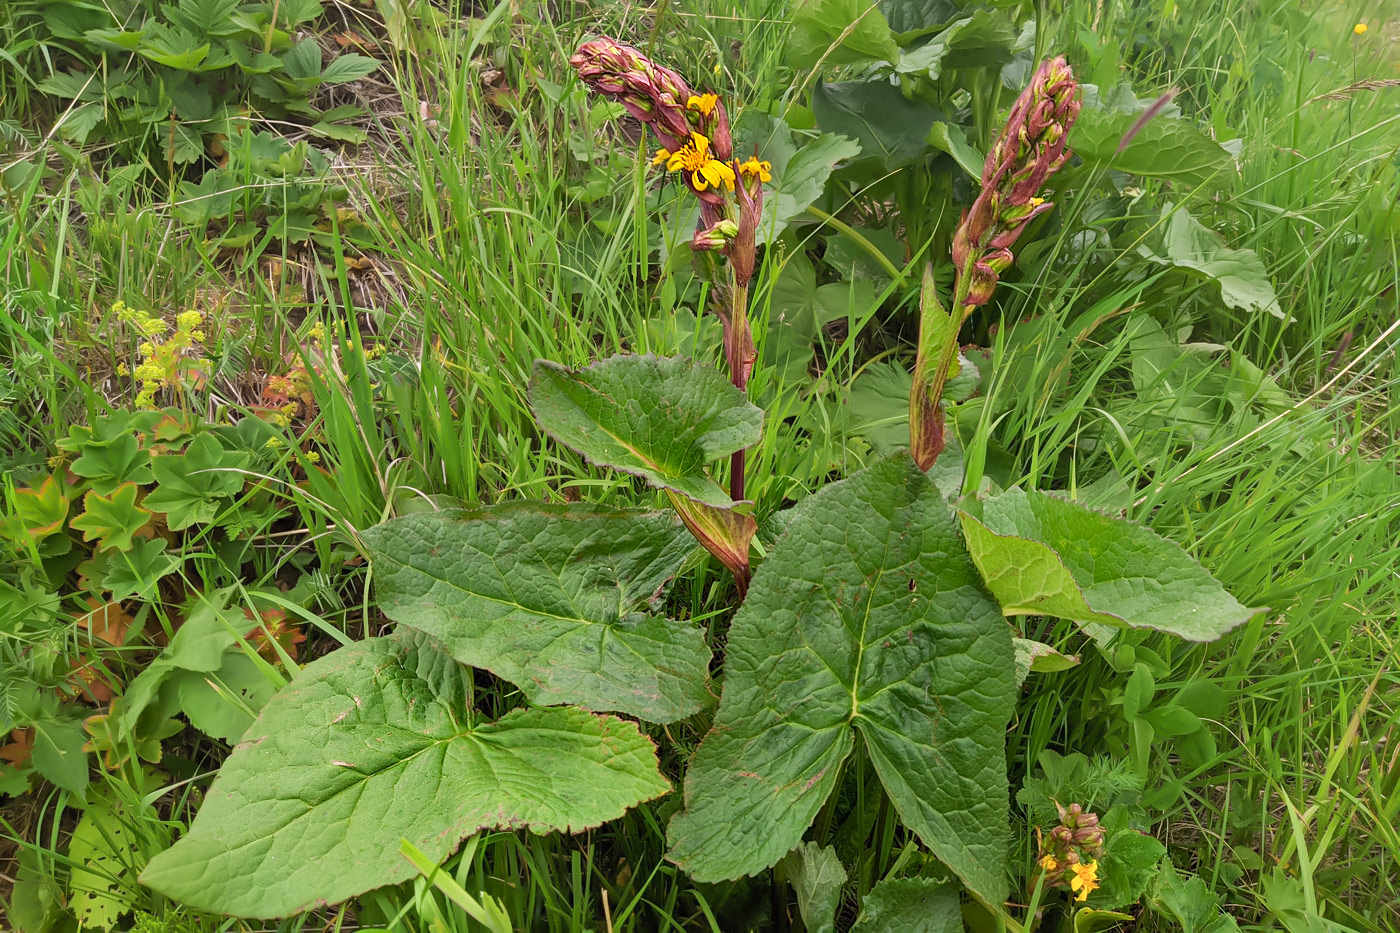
column 652, row 93
column 1030, row 148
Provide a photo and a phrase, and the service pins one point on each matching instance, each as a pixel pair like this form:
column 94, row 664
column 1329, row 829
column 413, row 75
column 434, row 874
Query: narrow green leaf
column 369, row 746
column 658, row 418
column 1043, row 555
column 866, row 617
column 549, row 598
column 910, row 905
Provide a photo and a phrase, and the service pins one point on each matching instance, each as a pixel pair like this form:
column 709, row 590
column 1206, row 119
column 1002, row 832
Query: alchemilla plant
column 871, row 636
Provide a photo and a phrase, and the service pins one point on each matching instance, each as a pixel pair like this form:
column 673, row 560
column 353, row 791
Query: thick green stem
column 938, row 348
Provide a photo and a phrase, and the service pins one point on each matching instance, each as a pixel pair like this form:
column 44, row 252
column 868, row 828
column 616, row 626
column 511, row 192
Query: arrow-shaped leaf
column 867, row 617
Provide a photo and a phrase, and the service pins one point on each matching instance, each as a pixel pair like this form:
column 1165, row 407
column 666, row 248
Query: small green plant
column 873, row 636
column 166, row 83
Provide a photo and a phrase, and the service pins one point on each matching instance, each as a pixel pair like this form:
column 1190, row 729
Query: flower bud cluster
column 1030, row 148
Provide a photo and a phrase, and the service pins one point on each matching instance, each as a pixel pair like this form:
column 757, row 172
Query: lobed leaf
column 547, row 597
column 1043, row 555
column 371, row 745
column 867, row 617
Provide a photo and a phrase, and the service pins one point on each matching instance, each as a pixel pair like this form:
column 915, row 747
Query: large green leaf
column 1043, row 555
column 802, row 180
column 839, row 32
column 1166, row 147
column 866, row 617
column 909, row 19
column 892, row 131
column 1187, row 244
column 657, row 418
column 910, row 905
column 373, row 744
column 548, row 597
column 983, row 39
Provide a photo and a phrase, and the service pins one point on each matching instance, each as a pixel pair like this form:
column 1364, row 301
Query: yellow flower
column 1036, row 202
column 1049, row 864
column 663, row 154
column 705, row 103
column 1085, row 880
column 751, row 167
column 705, row 171
column 1360, row 29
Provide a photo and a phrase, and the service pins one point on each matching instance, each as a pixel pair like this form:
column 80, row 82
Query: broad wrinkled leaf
column 1165, row 148
column 985, row 38
column 909, row 19
column 113, row 520
column 370, row 745
column 1187, row 244
column 866, row 617
column 839, row 32
column 657, row 418
column 1043, row 555
column 816, row 876
column 891, row 130
column 910, row 905
column 802, row 180
column 548, row 597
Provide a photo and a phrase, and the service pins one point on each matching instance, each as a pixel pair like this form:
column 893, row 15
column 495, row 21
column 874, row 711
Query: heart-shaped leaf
column 867, row 617
column 658, row 418
column 373, row 744
column 548, row 597
column 1043, row 555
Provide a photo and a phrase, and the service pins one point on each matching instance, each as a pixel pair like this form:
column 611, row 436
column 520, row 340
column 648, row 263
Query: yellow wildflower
column 705, row 170
column 1360, row 29
column 1085, row 880
column 1036, row 202
column 313, row 457
column 751, row 167
column 704, row 103
column 1049, row 864
column 662, row 155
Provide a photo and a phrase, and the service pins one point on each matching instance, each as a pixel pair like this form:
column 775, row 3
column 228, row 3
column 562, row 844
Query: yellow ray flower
column 704, row 103
column 1359, row 29
column 662, row 155
column 1085, row 880
column 752, row 167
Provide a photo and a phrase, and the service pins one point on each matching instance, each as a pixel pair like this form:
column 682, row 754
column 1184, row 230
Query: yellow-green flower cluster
column 160, row 355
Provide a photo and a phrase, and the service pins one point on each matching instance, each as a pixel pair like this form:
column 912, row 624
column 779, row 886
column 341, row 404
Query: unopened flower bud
column 716, row 236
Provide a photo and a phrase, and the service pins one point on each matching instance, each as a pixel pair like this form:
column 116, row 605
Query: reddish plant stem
column 739, row 354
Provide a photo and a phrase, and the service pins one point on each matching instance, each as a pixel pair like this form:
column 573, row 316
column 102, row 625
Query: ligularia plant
column 875, row 626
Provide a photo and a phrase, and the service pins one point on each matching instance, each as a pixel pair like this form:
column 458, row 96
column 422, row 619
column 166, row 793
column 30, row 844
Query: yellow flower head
column 704, row 103
column 751, row 167
column 1359, row 29
column 1049, row 864
column 1036, row 202
column 705, row 171
column 662, row 155
column 1085, row 880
